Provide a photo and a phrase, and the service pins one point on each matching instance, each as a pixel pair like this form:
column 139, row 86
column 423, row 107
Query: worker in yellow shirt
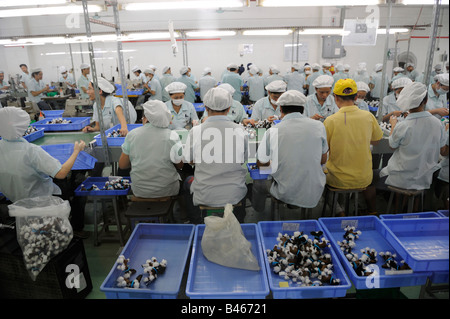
column 350, row 131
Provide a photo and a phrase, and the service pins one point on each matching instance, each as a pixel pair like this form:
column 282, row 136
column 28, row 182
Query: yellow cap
column 345, row 87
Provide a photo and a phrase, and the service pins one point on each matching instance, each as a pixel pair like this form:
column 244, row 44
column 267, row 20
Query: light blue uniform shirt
column 219, row 178
column 271, row 78
column 262, row 109
column 339, row 75
column 363, row 106
column 110, row 118
column 35, row 86
column 155, row 86
column 83, row 82
column 443, row 173
column 24, row 77
column 364, row 77
column 236, row 113
column 417, row 154
column 151, row 150
column 313, row 106
column 184, row 117
column 295, row 147
column 236, row 82
column 309, row 82
column 189, row 94
column 26, row 170
column 413, row 75
column 435, row 102
column 294, row 81
column 255, row 87
column 376, row 81
column 205, row 83
column 322, row 72
column 165, row 80
column 389, row 104
column 69, row 79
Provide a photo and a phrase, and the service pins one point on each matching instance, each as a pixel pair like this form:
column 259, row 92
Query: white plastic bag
column 224, row 243
column 43, row 229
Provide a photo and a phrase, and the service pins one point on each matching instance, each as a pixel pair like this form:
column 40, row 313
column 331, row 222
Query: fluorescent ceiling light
column 423, row 2
column 177, row 5
column 148, row 36
column 393, row 30
column 210, row 33
column 54, row 40
column 267, row 32
column 324, row 31
column 303, row 3
column 47, row 11
column 20, row 3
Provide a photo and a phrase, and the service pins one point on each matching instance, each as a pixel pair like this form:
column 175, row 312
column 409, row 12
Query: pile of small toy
column 302, row 259
column 30, row 130
column 59, row 120
column 114, row 133
column 369, row 255
column 373, row 103
column 115, row 184
column 152, row 269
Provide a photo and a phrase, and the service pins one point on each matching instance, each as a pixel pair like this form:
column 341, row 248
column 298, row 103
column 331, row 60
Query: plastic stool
column 409, row 193
column 346, row 192
column 275, row 209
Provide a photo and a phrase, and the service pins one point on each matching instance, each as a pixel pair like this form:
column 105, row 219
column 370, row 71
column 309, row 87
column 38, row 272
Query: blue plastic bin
column 422, row 243
column 372, row 236
column 268, row 234
column 199, row 107
column 115, row 141
column 53, row 113
column 77, row 124
column 254, row 173
column 171, row 242
column 443, row 213
column 208, row 280
column 34, row 136
column 100, row 183
column 410, row 215
column 276, row 122
column 62, row 152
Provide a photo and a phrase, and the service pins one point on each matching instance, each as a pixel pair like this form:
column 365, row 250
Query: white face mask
column 273, row 101
column 308, row 72
column 358, row 101
column 178, row 102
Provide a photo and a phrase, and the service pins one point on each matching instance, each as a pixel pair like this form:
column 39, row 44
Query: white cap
column 362, row 66
column 398, row 69
column 316, row 66
column 438, row 67
column 153, row 67
column 378, row 67
column 105, row 85
column 411, row 96
column 362, row 86
column 253, row 70
column 218, row 99
column 62, row 69
column 157, row 113
column 13, row 122
column 184, row 70
column 292, row 97
column 323, row 81
column 401, row 82
column 227, row 87
column 274, row 69
column 135, row 68
column 149, row 71
column 206, row 71
column 84, row 66
column 443, row 79
column 410, row 64
column 233, row 66
column 340, row 67
column 165, row 69
column 326, row 65
column 296, row 66
column 276, row 86
column 36, row 70
column 346, row 67
column 176, row 87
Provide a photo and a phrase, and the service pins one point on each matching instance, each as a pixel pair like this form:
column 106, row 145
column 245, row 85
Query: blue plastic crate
column 115, row 141
column 34, row 136
column 422, row 243
column 53, row 113
column 62, row 152
column 129, row 92
column 199, row 107
column 268, row 234
column 100, row 183
column 443, row 213
column 171, row 242
column 77, row 124
column 208, row 280
column 276, row 122
column 372, row 236
column 410, row 215
column 255, row 173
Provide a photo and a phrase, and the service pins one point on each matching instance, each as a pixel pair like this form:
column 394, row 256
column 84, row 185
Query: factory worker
column 326, row 69
column 165, row 80
column 321, row 104
column 152, row 85
column 183, row 112
column 191, row 86
column 437, row 70
column 152, row 151
column 233, row 79
column 361, row 74
column 347, row 70
column 390, row 106
column 112, row 109
column 360, row 102
column 37, row 88
column 4, row 85
column 27, row 170
column 227, row 70
column 139, row 74
column 416, row 154
column 294, row 80
column 441, row 178
column 376, row 81
column 339, row 73
column 266, row 108
column 397, row 73
column 206, row 82
column 255, row 85
column 411, row 72
column 309, row 81
column 83, row 80
column 307, row 71
column 350, row 131
column 302, row 148
column 66, row 78
column 437, row 96
column 274, row 75
column 219, row 176
column 154, row 68
column 25, row 75
column 236, row 113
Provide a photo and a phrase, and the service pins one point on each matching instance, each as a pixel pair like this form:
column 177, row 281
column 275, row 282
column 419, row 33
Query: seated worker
column 267, row 108
column 302, row 148
column 255, row 85
column 235, row 80
column 441, row 180
column 390, row 106
column 350, row 132
column 363, row 89
column 37, row 88
column 437, row 96
column 4, row 85
column 219, row 176
column 83, row 80
column 191, row 85
column 152, row 151
column 112, row 109
column 152, row 85
column 294, row 80
column 66, row 78
column 139, row 75
column 183, row 112
column 321, row 105
column 27, row 170
column 237, row 112
column 416, row 154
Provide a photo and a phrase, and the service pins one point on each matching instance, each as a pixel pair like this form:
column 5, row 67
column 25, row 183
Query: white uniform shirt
column 443, row 173
column 109, row 112
column 309, row 82
column 313, row 106
column 69, row 79
column 205, row 83
column 83, row 82
column 294, row 81
column 184, row 117
column 236, row 113
column 435, row 102
column 255, row 87
column 35, row 86
column 165, row 80
column 376, row 81
column 155, row 86
column 389, row 104
column 262, row 109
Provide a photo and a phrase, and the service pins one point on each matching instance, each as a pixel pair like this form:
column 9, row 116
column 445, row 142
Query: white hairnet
column 13, row 122
column 149, row 71
column 443, row 79
column 339, row 67
column 62, row 69
column 276, row 86
column 323, row 81
column 410, row 64
column 157, row 113
column 105, row 85
column 135, row 68
column 292, row 97
column 362, row 86
column 176, row 87
column 378, row 67
column 346, row 67
column 326, row 65
column 84, row 66
column 362, row 66
column 253, row 70
column 274, row 69
column 153, row 67
column 36, row 70
column 296, row 66
column 165, row 69
column 411, row 96
column 398, row 69
column 438, row 67
column 401, row 82
column 316, row 66
column 218, row 99
column 233, row 66
column 227, row 87
column 184, row 70
column 206, row 71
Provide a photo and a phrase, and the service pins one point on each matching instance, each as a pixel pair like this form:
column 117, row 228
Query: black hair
column 139, row 71
column 347, row 97
column 233, row 69
column 21, row 65
column 34, row 73
column 286, row 109
column 223, row 111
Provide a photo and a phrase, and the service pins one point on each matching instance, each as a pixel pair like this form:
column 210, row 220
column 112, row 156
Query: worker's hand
column 79, row 146
column 47, row 88
column 87, row 129
column 396, row 113
column 442, row 111
column 272, row 118
column 194, row 122
column 317, row 117
column 204, row 119
column 446, row 127
column 251, row 121
column 123, row 131
column 393, row 120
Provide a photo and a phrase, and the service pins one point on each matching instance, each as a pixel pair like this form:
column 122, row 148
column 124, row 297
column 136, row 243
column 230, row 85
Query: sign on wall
column 296, row 52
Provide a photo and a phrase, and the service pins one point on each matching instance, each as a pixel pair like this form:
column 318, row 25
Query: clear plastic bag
column 224, row 243
column 43, row 230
